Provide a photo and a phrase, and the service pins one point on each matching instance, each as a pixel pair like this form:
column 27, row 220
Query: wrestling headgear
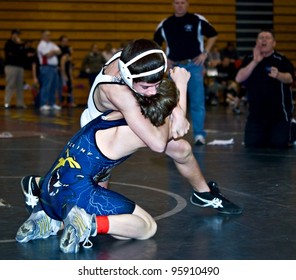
column 126, row 74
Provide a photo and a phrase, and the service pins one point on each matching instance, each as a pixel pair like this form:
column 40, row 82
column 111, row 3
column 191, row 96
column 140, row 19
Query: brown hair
column 268, row 31
column 159, row 106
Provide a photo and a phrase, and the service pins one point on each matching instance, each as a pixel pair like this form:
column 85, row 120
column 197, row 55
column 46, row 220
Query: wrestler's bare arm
column 155, row 138
column 119, row 97
column 119, row 141
column 181, row 77
column 180, row 124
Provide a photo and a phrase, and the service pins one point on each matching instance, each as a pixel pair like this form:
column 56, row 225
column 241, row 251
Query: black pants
column 268, row 133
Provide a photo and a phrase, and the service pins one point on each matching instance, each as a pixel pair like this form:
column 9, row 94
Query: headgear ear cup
column 126, row 74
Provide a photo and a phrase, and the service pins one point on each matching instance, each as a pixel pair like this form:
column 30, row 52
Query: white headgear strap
column 126, row 74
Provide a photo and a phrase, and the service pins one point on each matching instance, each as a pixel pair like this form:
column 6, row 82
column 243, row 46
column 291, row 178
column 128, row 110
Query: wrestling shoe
column 215, row 199
column 30, row 190
column 38, row 226
column 79, row 226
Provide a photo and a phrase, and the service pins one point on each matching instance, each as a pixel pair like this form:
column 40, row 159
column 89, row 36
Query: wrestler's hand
column 180, row 76
column 179, row 124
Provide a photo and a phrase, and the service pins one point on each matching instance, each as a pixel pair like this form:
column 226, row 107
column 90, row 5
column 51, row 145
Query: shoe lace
column 44, row 224
column 87, row 243
column 216, row 192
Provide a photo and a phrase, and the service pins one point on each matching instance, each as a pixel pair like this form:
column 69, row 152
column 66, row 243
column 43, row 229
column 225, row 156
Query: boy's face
column 146, row 89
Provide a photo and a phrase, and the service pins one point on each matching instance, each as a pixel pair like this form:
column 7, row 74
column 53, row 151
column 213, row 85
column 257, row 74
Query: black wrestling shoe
column 216, row 200
column 30, row 190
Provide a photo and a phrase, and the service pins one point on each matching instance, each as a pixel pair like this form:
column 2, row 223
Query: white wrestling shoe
column 38, row 226
column 79, row 226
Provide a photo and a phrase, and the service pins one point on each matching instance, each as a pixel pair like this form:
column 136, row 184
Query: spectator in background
column 65, row 73
column 14, row 69
column 32, row 64
column 184, row 34
column 223, row 83
column 211, row 73
column 30, row 54
column 267, row 77
column 226, row 81
column 31, row 60
column 108, row 51
column 214, row 58
column 230, row 51
column 92, row 64
column 48, row 58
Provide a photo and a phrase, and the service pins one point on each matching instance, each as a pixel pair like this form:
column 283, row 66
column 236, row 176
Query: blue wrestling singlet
column 73, row 178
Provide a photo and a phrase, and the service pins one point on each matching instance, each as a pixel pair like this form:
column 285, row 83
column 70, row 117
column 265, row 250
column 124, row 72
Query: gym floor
column 262, row 181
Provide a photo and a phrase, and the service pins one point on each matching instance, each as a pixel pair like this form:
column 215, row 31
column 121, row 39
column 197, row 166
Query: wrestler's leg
column 103, row 211
column 138, row 225
column 181, row 152
column 104, row 184
column 204, row 195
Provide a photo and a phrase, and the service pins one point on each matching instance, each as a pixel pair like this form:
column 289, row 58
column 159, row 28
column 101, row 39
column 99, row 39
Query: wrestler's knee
column 150, row 230
column 148, row 226
column 179, row 150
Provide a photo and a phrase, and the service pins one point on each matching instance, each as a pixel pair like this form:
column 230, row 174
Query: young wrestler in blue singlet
column 72, row 178
column 70, row 189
